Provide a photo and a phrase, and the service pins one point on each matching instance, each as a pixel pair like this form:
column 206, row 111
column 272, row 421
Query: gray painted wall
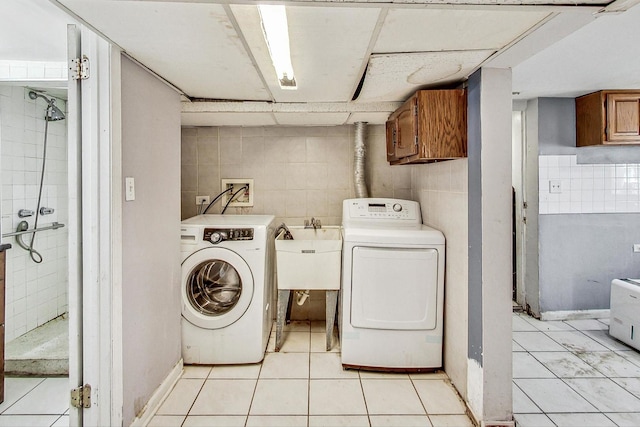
column 474, row 141
column 531, row 280
column 151, row 235
column 558, row 135
column 579, row 254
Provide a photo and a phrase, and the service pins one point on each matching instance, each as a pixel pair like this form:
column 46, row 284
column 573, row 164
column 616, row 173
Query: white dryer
column 392, row 287
column 227, row 287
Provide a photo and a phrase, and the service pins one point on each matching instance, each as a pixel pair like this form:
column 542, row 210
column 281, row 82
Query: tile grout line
column 255, row 388
column 196, row 396
column 23, row 396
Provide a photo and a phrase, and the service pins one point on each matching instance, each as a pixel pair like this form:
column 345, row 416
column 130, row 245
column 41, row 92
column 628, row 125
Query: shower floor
column 42, row 351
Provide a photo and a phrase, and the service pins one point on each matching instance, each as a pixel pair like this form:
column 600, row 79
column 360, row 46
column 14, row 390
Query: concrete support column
column 490, row 251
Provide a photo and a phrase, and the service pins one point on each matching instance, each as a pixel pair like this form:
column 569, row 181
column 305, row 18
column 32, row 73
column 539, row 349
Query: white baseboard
column 161, row 393
column 575, row 314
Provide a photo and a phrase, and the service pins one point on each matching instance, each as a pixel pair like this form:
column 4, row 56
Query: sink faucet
column 313, row 223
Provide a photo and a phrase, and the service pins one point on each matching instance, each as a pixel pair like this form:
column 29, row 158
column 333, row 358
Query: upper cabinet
column 608, row 117
column 429, row 126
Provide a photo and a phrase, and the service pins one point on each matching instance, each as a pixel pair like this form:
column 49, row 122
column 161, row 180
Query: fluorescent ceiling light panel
column 276, row 34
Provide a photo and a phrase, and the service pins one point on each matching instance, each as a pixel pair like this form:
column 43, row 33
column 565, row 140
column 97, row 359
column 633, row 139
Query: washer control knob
column 397, row 207
column 216, row 237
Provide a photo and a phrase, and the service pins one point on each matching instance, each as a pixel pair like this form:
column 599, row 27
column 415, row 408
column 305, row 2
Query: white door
column 394, row 288
column 95, row 334
column 74, row 132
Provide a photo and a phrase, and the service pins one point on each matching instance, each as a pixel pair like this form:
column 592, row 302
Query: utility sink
column 312, row 260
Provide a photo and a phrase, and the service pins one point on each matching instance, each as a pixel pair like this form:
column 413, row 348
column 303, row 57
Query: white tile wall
column 298, row 172
column 33, row 70
column 442, row 190
column 597, row 188
column 35, row 293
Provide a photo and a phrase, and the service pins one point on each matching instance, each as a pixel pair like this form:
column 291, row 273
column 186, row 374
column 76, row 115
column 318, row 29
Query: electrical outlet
column 555, row 186
column 202, row 200
column 636, row 247
column 241, row 198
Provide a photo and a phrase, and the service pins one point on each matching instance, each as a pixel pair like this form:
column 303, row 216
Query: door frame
column 95, row 229
column 519, row 181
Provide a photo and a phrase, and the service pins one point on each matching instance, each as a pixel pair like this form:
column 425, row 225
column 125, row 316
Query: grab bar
column 53, row 226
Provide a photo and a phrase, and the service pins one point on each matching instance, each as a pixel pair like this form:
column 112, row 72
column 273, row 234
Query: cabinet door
column 442, row 121
column 392, row 139
column 623, row 117
column 407, row 129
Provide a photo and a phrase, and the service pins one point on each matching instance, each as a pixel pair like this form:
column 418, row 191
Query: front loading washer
column 392, row 287
column 227, row 288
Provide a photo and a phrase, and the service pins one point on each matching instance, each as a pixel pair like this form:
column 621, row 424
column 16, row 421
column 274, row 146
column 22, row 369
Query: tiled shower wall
column 298, row 173
column 587, row 188
column 36, row 293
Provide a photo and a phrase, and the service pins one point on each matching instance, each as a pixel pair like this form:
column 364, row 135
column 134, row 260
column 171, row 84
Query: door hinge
column 524, row 219
column 415, row 141
column 81, row 396
column 79, row 68
column 415, row 110
column 524, row 205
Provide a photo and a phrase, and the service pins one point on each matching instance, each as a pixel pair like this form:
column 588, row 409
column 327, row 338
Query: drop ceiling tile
column 228, row 119
column 394, row 77
column 428, row 30
column 328, row 48
column 192, row 45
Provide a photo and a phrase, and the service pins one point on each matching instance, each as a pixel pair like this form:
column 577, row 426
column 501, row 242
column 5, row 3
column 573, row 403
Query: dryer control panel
column 217, row 235
column 381, row 210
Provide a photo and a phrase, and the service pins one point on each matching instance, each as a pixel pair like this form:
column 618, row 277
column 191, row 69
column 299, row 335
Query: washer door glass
column 214, row 287
column 217, row 287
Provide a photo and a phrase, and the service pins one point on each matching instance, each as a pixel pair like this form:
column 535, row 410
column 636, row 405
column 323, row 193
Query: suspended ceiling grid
column 216, row 51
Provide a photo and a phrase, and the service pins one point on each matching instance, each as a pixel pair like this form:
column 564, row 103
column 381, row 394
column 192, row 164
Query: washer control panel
column 217, row 235
column 383, row 209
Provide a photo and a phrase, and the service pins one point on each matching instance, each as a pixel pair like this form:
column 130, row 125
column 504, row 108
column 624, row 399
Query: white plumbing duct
column 359, row 159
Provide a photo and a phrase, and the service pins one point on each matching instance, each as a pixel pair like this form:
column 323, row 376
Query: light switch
column 129, row 189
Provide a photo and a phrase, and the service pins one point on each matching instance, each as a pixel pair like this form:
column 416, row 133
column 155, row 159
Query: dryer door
column 394, row 288
column 217, row 287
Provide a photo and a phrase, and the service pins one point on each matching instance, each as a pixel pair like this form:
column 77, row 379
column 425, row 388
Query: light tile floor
column 569, row 373
column 35, row 402
column 572, row 373
column 303, row 385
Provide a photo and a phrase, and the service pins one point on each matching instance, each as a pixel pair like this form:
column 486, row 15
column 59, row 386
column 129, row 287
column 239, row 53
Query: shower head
column 53, row 113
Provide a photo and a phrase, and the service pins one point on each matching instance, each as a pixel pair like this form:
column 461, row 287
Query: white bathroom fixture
column 392, row 287
column 226, row 288
column 311, row 261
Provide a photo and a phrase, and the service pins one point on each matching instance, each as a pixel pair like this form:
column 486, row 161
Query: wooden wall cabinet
column 429, row 126
column 608, row 117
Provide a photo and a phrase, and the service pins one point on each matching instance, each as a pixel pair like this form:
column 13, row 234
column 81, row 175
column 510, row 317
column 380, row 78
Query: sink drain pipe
column 359, row 161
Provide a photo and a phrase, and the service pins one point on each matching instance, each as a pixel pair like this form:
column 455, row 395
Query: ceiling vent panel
column 430, row 30
column 394, row 77
column 192, row 45
column 328, row 47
